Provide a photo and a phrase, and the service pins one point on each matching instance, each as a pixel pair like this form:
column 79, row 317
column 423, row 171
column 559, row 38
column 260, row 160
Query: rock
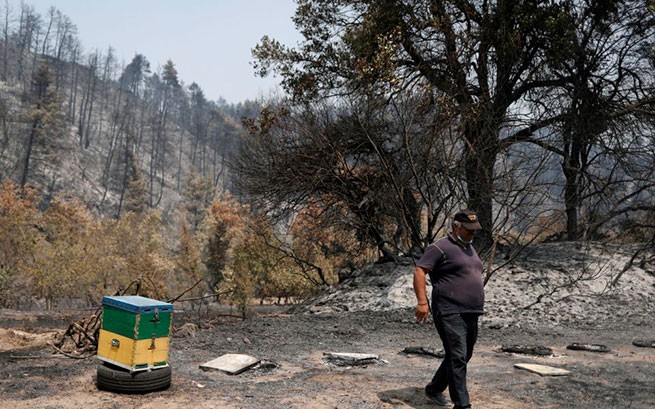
column 643, row 344
column 588, row 347
column 232, row 364
column 187, row 330
column 538, row 350
column 424, row 351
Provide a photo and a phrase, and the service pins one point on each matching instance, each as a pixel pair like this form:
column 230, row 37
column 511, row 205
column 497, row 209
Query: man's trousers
column 458, row 333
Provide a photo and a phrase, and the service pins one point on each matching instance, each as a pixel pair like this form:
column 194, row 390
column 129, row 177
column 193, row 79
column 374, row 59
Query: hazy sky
column 209, row 41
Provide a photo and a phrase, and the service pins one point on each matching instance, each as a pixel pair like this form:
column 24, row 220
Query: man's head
column 468, row 219
column 465, row 224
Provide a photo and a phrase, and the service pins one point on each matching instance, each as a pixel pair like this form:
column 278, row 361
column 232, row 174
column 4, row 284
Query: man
column 457, row 301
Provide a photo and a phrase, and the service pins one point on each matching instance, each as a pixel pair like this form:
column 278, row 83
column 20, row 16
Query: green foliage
column 144, row 260
column 18, row 241
column 189, row 268
column 499, row 74
column 368, row 166
column 59, row 269
column 245, row 259
column 260, row 270
column 47, row 123
column 322, row 241
column 136, row 191
column 198, row 194
column 221, row 230
column 5, row 287
column 63, row 253
column 134, row 74
column 46, row 117
column 170, row 74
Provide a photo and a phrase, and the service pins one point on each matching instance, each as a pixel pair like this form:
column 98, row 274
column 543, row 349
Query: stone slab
column 232, row 364
column 350, row 358
column 543, row 370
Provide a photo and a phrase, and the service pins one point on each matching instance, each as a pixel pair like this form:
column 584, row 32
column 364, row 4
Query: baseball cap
column 468, row 218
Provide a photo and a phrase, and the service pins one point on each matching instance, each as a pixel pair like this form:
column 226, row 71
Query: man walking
column 457, row 301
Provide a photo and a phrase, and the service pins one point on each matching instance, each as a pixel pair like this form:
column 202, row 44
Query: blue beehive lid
column 136, row 303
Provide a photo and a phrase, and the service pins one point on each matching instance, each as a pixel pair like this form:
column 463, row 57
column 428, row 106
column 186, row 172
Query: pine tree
column 136, row 192
column 47, row 121
column 198, row 194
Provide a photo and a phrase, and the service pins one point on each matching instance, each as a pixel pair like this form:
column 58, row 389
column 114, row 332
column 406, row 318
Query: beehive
column 135, row 332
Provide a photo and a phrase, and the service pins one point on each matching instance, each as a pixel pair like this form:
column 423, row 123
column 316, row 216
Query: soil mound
column 553, row 283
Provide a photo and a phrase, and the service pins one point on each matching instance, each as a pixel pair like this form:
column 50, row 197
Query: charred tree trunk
column 571, row 196
column 482, row 147
column 28, row 152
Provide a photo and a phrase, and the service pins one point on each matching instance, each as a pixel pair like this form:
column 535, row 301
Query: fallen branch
column 68, row 354
column 24, row 357
column 184, row 292
column 84, row 333
column 81, row 336
column 217, row 294
column 631, row 262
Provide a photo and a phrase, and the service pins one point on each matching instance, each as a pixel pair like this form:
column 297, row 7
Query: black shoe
column 437, row 398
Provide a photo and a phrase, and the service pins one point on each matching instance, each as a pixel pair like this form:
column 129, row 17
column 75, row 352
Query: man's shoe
column 437, row 398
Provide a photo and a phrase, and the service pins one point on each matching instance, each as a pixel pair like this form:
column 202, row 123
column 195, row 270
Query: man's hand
column 422, row 308
column 422, row 312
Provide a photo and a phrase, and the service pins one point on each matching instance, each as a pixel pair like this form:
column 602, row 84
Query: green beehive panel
column 136, row 325
column 154, row 325
column 119, row 321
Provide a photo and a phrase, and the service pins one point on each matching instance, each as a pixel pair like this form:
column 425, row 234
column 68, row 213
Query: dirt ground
column 296, row 374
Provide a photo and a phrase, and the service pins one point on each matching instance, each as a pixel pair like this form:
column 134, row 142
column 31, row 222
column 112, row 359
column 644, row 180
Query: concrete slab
column 543, row 370
column 232, row 364
column 350, row 358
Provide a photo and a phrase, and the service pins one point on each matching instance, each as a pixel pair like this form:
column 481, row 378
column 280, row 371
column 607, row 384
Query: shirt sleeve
column 431, row 258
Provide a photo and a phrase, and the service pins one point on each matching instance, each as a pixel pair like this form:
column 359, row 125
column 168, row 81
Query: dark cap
column 468, row 218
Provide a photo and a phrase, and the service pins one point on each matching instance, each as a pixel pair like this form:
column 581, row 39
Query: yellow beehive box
column 131, row 354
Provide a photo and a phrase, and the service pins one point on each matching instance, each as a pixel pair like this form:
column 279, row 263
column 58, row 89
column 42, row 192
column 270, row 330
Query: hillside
column 81, row 123
column 94, row 171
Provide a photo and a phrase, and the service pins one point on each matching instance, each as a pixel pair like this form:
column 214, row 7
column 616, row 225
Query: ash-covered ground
column 553, row 295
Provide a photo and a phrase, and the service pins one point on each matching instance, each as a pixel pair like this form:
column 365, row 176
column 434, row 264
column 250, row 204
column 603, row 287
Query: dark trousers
column 458, row 332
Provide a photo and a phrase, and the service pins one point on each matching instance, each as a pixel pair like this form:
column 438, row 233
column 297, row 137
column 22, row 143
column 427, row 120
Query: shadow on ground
column 413, row 397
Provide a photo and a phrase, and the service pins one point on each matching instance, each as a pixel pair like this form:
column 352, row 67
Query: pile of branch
column 80, row 340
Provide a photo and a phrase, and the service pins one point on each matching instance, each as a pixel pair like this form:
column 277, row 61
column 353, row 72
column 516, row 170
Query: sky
column 209, row 41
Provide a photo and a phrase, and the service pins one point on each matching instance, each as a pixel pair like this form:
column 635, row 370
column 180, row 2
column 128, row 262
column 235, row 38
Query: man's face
column 465, row 234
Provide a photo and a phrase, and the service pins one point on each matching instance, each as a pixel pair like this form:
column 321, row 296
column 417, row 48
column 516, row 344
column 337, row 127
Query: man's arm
column 422, row 307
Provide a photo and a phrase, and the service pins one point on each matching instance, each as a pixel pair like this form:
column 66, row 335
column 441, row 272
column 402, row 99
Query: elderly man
column 457, row 301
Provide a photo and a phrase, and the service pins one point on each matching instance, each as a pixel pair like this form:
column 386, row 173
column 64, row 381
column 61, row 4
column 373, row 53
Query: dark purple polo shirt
column 456, row 276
